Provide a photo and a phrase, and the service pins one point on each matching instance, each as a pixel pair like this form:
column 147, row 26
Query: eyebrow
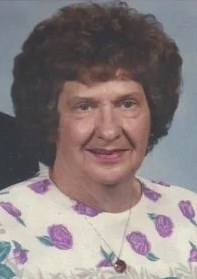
column 94, row 99
column 82, row 99
column 127, row 96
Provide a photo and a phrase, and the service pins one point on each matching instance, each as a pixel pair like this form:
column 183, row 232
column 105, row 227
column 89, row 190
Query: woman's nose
column 107, row 125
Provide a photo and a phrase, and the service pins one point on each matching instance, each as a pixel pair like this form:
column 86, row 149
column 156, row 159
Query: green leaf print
column 104, row 253
column 192, row 245
column 111, row 256
column 193, row 222
column 17, row 245
column 20, row 221
column 152, row 257
column 152, row 216
column 4, row 250
column 4, row 193
column 6, row 272
column 45, row 240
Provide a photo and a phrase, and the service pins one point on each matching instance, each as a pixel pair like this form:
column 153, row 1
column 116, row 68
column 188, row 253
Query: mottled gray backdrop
column 174, row 159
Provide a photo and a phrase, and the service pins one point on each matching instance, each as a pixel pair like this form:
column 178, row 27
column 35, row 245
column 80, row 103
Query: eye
column 84, row 106
column 128, row 104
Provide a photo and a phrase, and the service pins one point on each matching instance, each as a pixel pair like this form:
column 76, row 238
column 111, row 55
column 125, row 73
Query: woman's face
column 103, row 130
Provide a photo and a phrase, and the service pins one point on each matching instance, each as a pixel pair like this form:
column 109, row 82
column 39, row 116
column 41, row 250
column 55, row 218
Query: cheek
column 75, row 133
column 144, row 128
column 144, row 124
column 138, row 130
column 143, row 132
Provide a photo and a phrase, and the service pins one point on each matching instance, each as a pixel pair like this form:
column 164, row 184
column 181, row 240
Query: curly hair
column 89, row 43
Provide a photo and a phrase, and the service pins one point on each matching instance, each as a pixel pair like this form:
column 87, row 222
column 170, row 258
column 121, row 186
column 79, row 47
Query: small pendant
column 120, row 266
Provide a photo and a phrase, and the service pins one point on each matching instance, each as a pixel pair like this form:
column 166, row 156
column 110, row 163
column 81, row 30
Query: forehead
column 72, row 89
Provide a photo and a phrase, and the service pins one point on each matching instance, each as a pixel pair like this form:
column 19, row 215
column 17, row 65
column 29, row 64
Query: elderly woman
column 96, row 87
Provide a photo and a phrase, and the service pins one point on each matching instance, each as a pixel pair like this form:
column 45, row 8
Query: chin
column 112, row 177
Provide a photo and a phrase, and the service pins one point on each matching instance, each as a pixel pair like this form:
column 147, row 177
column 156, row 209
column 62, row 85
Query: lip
column 107, row 155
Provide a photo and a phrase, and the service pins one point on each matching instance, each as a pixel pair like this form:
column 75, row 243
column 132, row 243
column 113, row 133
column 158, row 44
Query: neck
column 110, row 198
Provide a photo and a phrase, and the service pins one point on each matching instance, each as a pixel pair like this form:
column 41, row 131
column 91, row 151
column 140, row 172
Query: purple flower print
column 40, row 187
column 187, row 210
column 150, row 194
column 104, row 263
column 20, row 255
column 12, row 210
column 163, row 224
column 60, row 237
column 9, row 208
column 83, row 209
column 141, row 245
column 193, row 253
column 108, row 258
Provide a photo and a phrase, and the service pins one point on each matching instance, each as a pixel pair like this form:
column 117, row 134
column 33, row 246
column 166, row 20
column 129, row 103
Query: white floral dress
column 45, row 235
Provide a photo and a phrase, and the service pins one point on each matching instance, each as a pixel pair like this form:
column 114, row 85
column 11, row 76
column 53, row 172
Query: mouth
column 108, row 155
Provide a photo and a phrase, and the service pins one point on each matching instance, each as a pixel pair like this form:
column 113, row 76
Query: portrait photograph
column 98, row 149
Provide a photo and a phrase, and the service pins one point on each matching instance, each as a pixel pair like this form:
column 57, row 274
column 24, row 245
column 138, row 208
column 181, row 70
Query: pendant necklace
column 119, row 265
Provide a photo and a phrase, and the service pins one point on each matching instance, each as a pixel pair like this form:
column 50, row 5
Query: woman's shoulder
column 163, row 202
column 37, row 183
column 22, row 198
column 169, row 197
column 168, row 190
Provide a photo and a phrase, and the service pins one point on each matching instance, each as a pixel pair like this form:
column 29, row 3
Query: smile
column 112, row 155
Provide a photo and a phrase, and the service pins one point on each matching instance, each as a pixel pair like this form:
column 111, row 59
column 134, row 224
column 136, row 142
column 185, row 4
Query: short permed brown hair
column 88, row 43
